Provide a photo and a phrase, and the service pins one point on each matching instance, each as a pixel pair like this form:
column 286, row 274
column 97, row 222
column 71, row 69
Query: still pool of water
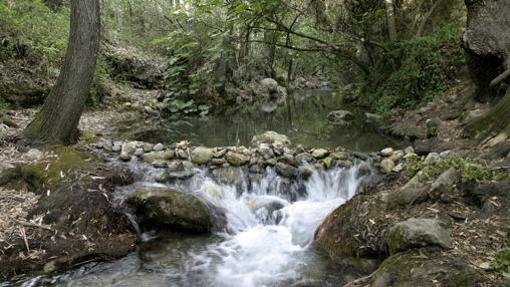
column 303, row 117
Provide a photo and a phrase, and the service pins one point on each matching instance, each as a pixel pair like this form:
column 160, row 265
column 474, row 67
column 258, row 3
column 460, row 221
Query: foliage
column 33, row 24
column 502, row 263
column 187, row 107
column 426, row 66
column 470, row 169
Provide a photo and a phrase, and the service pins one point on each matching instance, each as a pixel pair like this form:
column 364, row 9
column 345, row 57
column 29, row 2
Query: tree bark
column 391, row 22
column 57, row 122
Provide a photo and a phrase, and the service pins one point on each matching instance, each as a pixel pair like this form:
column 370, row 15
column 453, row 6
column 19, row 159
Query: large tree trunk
column 487, row 44
column 57, row 122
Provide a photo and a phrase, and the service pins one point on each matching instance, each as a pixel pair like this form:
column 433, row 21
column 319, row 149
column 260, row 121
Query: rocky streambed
column 274, row 214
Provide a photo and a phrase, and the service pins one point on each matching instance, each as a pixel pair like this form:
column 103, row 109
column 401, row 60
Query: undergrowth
column 470, row 169
column 420, row 68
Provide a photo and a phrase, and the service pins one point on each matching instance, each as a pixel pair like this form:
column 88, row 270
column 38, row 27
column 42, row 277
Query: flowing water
column 271, row 223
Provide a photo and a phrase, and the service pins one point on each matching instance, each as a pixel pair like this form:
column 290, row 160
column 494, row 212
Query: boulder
column 430, row 269
column 413, row 192
column 416, row 233
column 387, row 152
column 444, row 183
column 168, row 207
column 201, row 155
column 237, row 159
column 270, row 137
column 320, row 153
column 286, row 170
column 229, row 175
column 128, row 150
column 158, row 155
column 387, row 165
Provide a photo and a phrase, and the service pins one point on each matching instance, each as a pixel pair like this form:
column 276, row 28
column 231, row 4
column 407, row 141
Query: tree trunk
column 57, row 122
column 390, row 18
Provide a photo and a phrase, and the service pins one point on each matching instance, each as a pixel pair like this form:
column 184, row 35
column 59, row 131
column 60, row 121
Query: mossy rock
column 46, row 174
column 166, row 207
column 418, row 269
column 496, row 120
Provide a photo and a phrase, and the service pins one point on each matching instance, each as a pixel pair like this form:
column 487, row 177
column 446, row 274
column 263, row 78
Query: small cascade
column 271, row 222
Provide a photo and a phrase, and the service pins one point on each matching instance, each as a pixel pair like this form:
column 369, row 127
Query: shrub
column 470, row 169
column 426, row 67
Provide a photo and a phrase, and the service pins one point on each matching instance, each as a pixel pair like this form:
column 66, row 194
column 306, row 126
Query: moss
column 494, row 121
column 502, row 262
column 46, row 174
column 412, row 269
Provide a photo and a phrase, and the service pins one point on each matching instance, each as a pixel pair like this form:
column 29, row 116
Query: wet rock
column 304, row 158
column 117, row 146
column 265, row 151
column 320, row 153
column 416, row 233
column 128, row 150
column 305, row 171
column 340, row 155
column 182, row 154
column 158, row 147
column 147, row 147
column 180, row 170
column 139, row 152
column 237, row 159
column 430, row 269
column 286, row 170
column 105, row 144
column 202, row 155
column 340, row 117
column 218, row 161
column 387, row 152
column 387, row 165
column 167, row 207
column 270, row 137
column 160, row 155
column 444, row 183
column 160, row 164
column 229, row 175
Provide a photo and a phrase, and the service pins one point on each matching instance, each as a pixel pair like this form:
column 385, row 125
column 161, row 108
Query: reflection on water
column 303, row 118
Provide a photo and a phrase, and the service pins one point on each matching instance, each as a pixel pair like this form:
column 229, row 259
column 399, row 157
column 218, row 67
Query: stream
column 270, row 220
column 271, row 223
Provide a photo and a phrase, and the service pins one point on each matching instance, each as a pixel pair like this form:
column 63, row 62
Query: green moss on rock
column 415, row 269
column 45, row 174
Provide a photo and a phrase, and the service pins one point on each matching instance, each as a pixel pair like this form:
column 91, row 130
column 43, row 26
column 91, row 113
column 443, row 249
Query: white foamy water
column 271, row 223
column 270, row 233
